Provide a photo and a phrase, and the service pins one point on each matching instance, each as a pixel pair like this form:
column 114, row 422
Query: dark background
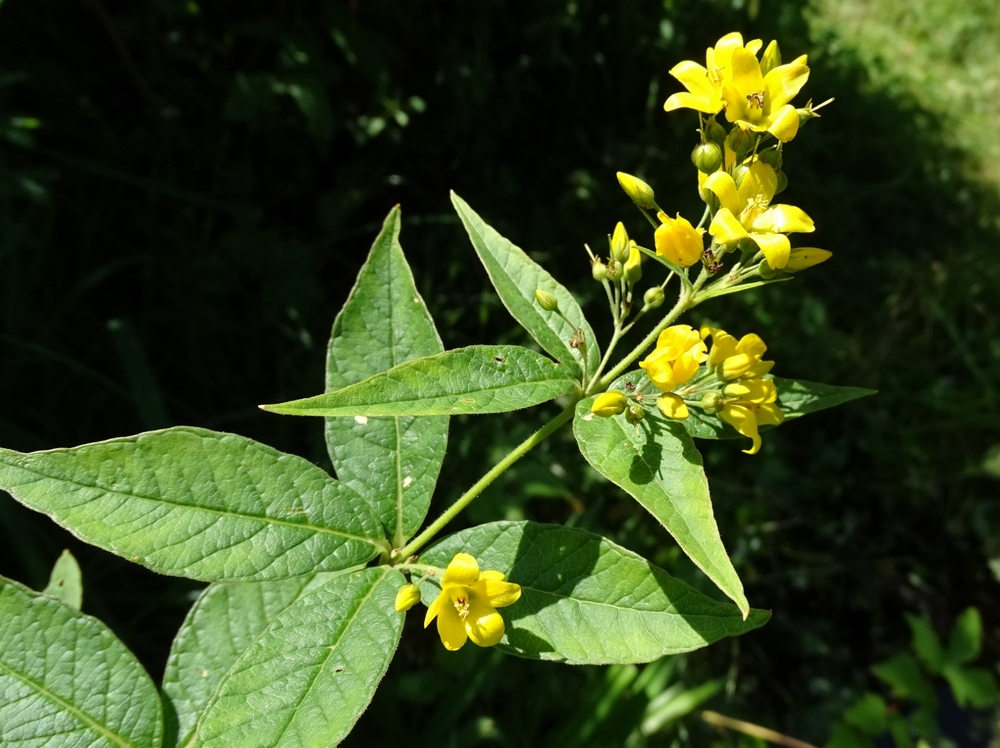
column 188, row 191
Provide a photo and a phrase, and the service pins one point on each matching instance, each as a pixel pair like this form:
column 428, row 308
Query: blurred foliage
column 188, row 190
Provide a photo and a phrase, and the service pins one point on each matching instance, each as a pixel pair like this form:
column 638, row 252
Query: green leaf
column 392, row 462
column 795, row 397
column 66, row 582
column 926, row 643
column 902, row 673
column 845, row 736
column 65, row 680
column 965, row 638
column 658, row 464
column 477, row 379
column 585, row 600
column 869, row 714
column 225, row 620
column 309, row 676
column 973, row 687
column 516, row 277
column 198, row 503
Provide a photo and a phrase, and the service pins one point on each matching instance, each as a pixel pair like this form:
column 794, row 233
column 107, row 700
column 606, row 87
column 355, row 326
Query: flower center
column 755, row 100
column 461, row 604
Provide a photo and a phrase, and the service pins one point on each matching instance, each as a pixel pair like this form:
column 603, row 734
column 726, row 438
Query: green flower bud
column 740, row 141
column 771, row 58
column 599, row 270
column 739, row 173
column 653, row 298
column 407, row 597
column 707, row 157
column 614, row 270
column 633, row 266
column 782, row 182
column 634, row 413
column 640, row 192
column 714, row 132
column 712, row 402
column 771, row 157
column 619, row 243
column 546, row 301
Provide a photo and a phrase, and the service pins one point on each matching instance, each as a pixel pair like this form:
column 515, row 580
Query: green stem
column 465, row 499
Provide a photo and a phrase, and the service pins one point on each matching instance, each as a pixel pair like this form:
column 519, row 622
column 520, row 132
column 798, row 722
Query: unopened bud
column 599, row 270
column 407, row 597
column 739, row 173
column 771, row 157
column 782, row 182
column 614, row 270
column 653, row 298
column 640, row 192
column 740, row 141
column 715, row 133
column 707, row 157
column 546, row 301
column 672, row 406
column 619, row 243
column 634, row 413
column 610, row 403
column 712, row 402
column 805, row 257
column 633, row 265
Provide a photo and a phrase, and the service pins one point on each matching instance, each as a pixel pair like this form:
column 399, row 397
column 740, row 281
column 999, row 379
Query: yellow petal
column 451, row 628
column 759, row 369
column 672, row 406
column 723, row 346
column 434, row 608
column 484, row 625
column 744, row 421
column 769, row 414
column 784, row 219
column 760, row 391
column 676, row 339
column 694, row 77
column 723, row 187
column 491, row 575
column 754, row 46
column 805, row 257
column 782, row 83
column 736, row 390
column 752, row 345
column 679, row 242
column 776, row 248
column 736, row 366
column 747, row 81
column 500, row 594
column 463, row 571
column 759, row 185
column 726, row 229
column 783, row 123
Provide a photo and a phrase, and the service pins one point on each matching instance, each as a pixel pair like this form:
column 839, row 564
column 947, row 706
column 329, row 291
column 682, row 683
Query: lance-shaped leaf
column 198, row 503
column 516, row 277
column 477, row 379
column 796, row 398
column 66, row 582
column 658, row 464
column 586, row 600
column 392, row 462
column 310, row 674
column 225, row 620
column 66, row 681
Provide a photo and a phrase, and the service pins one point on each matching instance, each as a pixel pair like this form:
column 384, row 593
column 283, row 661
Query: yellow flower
column 672, row 406
column 750, row 403
column 679, row 350
column 705, row 84
column 407, row 597
column 746, row 213
column 678, row 240
column 609, row 404
column 466, row 607
column 759, row 102
column 735, row 359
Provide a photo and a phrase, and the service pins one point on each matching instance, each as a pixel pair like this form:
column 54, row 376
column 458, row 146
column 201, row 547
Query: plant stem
column 479, row 486
column 756, row 731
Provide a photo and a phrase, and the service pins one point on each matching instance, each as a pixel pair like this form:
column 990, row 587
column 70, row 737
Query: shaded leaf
column 973, row 686
column 198, row 503
column 392, row 462
column 926, row 643
column 66, row 681
column 658, row 465
column 586, row 600
column 477, row 379
column 902, row 673
column 309, row 676
column 965, row 638
column 516, row 277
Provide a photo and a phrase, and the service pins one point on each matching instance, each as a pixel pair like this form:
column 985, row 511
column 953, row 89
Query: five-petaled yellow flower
column 746, row 213
column 705, row 84
column 759, row 102
column 466, row 607
column 678, row 241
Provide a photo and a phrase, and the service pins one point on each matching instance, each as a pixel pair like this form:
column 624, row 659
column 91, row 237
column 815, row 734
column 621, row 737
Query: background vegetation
column 188, row 190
